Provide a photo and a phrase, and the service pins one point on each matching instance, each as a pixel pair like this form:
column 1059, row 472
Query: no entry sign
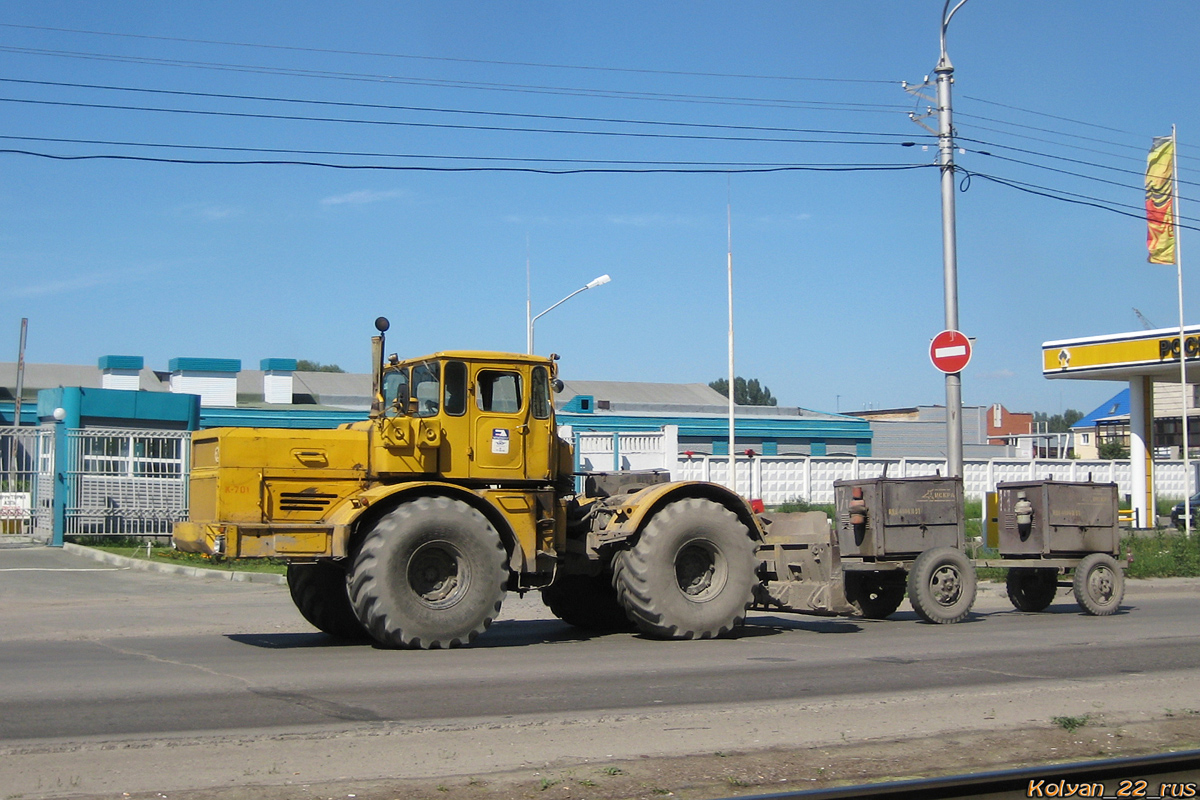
column 950, row 351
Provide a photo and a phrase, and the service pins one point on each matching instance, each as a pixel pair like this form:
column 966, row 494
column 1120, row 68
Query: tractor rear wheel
column 431, row 573
column 320, row 594
column 691, row 573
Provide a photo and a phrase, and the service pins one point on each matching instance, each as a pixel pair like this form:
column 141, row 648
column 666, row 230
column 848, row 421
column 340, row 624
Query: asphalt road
column 90, row 653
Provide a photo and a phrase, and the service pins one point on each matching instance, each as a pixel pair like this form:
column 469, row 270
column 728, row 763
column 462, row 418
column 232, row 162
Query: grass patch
column 1071, row 724
column 164, row 554
column 803, row 505
column 1166, row 554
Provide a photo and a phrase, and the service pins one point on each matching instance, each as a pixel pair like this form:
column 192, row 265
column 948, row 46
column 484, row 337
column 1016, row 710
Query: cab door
column 498, row 419
column 541, row 442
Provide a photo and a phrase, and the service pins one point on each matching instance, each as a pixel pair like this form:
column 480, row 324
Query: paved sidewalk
column 174, row 569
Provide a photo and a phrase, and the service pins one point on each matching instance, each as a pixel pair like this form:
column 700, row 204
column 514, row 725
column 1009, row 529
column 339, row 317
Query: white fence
column 26, row 480
column 779, row 479
column 125, row 482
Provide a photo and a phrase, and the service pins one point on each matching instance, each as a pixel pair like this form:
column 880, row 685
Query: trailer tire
column 587, row 601
column 690, row 575
column 429, row 574
column 320, row 593
column 876, row 597
column 1099, row 584
column 1031, row 589
column 941, row 585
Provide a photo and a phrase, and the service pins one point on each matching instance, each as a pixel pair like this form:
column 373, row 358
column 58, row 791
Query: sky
column 276, row 175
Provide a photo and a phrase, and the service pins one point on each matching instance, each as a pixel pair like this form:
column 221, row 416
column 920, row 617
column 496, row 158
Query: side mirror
column 557, row 385
column 401, row 403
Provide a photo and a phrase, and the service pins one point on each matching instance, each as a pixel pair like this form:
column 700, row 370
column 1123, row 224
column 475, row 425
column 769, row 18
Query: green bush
column 1166, row 554
column 804, row 505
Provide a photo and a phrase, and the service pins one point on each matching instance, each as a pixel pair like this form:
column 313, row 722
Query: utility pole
column 945, row 133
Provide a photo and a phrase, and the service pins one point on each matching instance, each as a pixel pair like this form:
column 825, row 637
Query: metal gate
column 122, row 482
column 26, row 482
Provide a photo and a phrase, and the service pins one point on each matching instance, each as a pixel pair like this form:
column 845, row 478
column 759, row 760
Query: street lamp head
column 603, row 279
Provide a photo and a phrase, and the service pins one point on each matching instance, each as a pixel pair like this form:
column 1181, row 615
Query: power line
column 1055, row 194
column 437, row 110
column 415, row 156
column 1051, row 116
column 481, row 86
column 426, row 168
column 1072, row 174
column 486, row 62
column 436, row 125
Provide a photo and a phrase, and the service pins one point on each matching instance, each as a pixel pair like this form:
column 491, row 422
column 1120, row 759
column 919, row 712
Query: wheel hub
column 437, row 574
column 699, row 571
column 946, row 585
column 1100, row 584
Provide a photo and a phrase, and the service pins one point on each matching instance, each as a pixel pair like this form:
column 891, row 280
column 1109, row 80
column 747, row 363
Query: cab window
column 539, row 393
column 426, row 388
column 395, row 392
column 456, row 388
column 499, row 391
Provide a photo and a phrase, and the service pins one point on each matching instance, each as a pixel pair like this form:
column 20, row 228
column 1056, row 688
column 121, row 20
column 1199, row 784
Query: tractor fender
column 622, row 519
column 354, row 516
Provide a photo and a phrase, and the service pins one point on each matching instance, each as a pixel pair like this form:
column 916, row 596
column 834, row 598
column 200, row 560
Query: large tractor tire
column 941, row 585
column 588, row 602
column 431, row 573
column 1031, row 589
column 1099, row 584
column 876, row 596
column 320, row 593
column 691, row 573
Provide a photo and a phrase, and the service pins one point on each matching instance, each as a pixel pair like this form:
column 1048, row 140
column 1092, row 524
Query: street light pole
column 603, row 279
column 945, row 78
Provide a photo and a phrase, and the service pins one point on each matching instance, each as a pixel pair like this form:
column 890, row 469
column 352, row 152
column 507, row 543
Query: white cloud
column 81, row 282
column 361, row 197
column 653, row 220
column 211, row 213
column 998, row 374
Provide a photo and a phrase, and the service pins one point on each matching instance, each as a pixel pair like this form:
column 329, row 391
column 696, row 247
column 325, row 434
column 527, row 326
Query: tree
column 1059, row 423
column 304, row 365
column 1112, row 449
column 745, row 392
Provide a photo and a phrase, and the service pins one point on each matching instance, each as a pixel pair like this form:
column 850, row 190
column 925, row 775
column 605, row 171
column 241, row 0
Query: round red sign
column 950, row 351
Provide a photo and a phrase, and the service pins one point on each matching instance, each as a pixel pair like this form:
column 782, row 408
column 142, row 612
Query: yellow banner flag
column 1160, row 201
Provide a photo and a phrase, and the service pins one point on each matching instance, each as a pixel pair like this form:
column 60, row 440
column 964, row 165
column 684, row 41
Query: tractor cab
column 478, row 417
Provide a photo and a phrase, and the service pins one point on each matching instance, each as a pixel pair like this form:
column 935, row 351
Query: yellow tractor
column 409, row 527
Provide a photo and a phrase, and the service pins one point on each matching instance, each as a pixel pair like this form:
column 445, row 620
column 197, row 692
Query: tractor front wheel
column 431, row 573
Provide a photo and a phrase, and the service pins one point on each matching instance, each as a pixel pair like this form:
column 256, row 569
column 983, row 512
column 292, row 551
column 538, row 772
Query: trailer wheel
column 430, row 573
column 691, row 573
column 876, row 597
column 320, row 594
column 1031, row 589
column 941, row 585
column 1099, row 584
column 587, row 601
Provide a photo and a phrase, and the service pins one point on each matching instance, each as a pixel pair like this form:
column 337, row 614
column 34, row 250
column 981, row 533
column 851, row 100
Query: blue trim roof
column 277, row 365
column 271, row 418
column 779, row 428
column 121, row 362
column 1115, row 406
column 205, row 365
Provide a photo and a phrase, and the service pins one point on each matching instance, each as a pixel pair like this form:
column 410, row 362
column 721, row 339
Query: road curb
column 174, row 569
